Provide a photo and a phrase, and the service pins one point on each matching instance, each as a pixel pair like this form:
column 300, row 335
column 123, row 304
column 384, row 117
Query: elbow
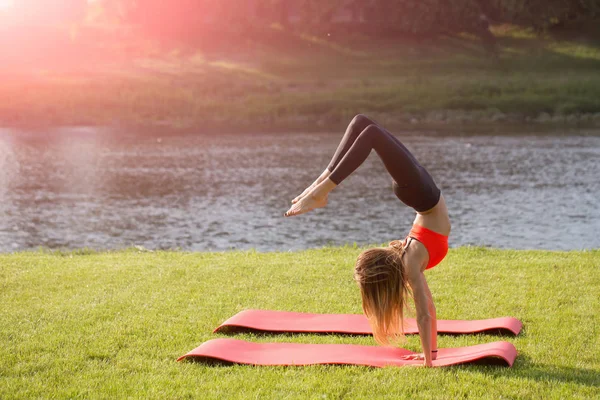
column 424, row 318
column 432, row 310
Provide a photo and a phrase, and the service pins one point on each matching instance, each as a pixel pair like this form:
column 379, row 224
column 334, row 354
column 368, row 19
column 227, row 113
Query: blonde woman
column 388, row 275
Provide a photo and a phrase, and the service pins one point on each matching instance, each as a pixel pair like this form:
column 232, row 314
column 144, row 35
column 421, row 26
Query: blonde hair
column 380, row 276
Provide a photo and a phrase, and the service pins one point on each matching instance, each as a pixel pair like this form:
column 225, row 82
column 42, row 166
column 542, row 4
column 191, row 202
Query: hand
column 418, row 357
column 411, row 357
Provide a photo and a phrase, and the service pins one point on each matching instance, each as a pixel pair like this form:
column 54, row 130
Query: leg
column 399, row 162
column 397, row 159
column 356, row 126
column 412, row 183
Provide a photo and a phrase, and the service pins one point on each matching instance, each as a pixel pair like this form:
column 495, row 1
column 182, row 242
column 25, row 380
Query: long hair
column 380, row 276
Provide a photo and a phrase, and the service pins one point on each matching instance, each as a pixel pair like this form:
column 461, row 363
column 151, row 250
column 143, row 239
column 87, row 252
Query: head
column 379, row 273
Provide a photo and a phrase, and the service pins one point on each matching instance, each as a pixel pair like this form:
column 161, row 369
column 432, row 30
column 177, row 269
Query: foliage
column 297, row 81
column 43, row 12
column 410, row 16
column 542, row 14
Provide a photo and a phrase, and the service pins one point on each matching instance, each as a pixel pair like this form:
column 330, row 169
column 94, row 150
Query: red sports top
column 435, row 243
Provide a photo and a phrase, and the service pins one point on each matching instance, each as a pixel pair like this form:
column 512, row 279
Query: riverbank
column 299, row 81
column 111, row 324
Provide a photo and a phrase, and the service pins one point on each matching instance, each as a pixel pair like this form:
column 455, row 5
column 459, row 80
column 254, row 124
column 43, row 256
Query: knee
column 360, row 122
column 398, row 189
column 372, row 130
column 371, row 134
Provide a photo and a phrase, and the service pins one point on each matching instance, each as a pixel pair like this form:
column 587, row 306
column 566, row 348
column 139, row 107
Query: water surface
column 75, row 188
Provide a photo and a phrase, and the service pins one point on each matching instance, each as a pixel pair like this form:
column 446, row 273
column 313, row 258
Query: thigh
column 399, row 143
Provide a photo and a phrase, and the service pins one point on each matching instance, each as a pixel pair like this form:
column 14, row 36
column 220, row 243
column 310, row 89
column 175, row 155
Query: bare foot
column 305, row 204
column 320, row 179
column 306, row 191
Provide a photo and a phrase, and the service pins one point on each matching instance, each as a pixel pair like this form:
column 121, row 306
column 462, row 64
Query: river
column 98, row 188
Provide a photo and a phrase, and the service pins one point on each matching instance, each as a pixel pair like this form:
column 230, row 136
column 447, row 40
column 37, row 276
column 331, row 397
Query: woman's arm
column 433, row 317
column 420, row 291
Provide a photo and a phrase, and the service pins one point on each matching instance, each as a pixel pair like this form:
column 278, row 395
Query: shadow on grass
column 232, row 330
column 210, row 362
column 524, row 368
column 218, row 363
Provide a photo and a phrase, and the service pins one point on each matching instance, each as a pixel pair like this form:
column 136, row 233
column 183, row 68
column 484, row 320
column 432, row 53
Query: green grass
column 111, row 325
column 280, row 80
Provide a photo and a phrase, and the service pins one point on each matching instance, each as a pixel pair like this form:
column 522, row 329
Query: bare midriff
column 435, row 219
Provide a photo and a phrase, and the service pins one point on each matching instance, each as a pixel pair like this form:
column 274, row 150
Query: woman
column 386, row 276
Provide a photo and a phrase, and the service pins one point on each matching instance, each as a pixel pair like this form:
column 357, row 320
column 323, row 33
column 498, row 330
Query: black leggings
column 412, row 183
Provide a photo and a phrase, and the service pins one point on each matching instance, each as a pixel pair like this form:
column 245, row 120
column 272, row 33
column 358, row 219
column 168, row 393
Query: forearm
column 426, row 317
column 433, row 318
column 425, row 324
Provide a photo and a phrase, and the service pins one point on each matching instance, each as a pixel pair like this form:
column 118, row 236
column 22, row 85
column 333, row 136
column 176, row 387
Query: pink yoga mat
column 242, row 352
column 357, row 324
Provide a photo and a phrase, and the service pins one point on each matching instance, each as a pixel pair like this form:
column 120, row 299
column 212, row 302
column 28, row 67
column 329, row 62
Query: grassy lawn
column 111, row 325
column 278, row 79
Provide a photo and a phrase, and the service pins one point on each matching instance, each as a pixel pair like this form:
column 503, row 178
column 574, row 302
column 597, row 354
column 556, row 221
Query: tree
column 48, row 12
